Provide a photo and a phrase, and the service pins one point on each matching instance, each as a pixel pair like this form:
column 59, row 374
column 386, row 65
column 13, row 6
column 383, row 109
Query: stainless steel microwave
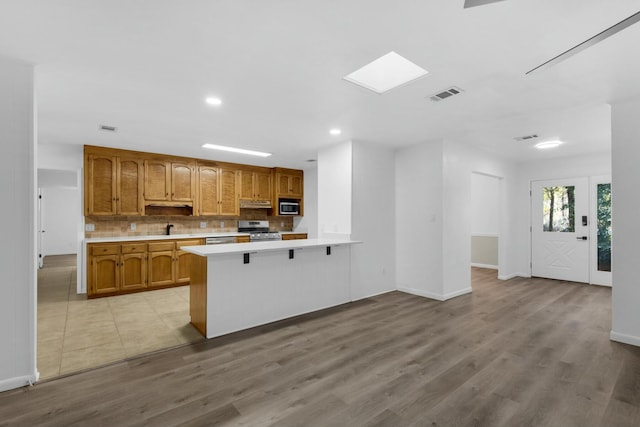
column 289, row 207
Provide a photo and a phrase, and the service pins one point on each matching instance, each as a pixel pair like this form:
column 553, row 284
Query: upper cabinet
column 169, row 181
column 255, row 185
column 217, row 191
column 113, row 185
column 289, row 183
column 131, row 183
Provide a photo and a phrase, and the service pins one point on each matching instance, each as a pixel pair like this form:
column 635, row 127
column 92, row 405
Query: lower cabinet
column 117, row 268
column 294, row 236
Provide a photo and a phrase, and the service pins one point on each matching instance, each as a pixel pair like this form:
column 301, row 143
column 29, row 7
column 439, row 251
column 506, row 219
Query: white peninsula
column 241, row 285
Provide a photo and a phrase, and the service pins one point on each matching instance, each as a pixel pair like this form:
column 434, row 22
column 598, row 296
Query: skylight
column 385, row 73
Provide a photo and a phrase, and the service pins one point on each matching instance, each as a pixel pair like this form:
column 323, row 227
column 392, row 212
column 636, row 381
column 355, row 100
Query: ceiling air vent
column 108, row 128
column 526, row 137
column 446, row 93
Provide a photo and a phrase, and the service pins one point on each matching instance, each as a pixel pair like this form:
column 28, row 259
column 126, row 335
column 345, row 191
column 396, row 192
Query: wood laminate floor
column 523, row 352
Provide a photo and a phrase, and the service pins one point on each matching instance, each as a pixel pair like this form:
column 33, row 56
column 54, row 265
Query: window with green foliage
column 559, row 209
column 604, row 227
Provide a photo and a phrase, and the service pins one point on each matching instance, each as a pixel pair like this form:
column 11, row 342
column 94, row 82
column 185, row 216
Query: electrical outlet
column 221, row 224
column 203, row 224
column 281, row 223
column 90, row 227
column 132, row 226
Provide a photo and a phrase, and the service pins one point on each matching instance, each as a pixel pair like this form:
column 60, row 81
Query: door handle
column 581, row 238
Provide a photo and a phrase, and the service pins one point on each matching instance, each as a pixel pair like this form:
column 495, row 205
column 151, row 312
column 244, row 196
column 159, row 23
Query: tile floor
column 75, row 333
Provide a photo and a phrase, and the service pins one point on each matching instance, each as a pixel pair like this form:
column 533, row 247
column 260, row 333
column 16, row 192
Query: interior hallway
column 75, row 333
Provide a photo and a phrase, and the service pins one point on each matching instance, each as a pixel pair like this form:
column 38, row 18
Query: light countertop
column 277, row 245
column 163, row 237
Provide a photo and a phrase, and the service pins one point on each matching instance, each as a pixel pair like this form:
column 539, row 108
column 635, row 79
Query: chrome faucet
column 169, row 229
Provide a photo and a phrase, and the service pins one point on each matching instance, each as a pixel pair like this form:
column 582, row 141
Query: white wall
column 577, row 166
column 334, row 190
column 485, row 204
column 372, row 221
column 60, row 157
column 625, row 199
column 18, row 264
column 433, row 199
column 418, row 204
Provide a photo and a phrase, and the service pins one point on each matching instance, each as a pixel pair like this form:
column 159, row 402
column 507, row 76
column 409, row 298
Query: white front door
column 560, row 229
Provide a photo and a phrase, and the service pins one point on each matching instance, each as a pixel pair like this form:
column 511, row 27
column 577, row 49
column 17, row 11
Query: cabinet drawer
column 161, row 246
column 134, row 248
column 104, row 249
column 193, row 242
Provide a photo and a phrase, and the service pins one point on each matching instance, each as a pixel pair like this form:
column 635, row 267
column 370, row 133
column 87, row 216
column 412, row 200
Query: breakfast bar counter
column 239, row 286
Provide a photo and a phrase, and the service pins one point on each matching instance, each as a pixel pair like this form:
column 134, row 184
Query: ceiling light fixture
column 236, row 150
column 335, row 132
column 385, row 73
column 213, row 101
column 548, row 144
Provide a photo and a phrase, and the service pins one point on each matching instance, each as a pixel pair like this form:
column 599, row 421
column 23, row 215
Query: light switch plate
column 221, row 224
column 132, row 226
column 203, row 224
column 89, row 227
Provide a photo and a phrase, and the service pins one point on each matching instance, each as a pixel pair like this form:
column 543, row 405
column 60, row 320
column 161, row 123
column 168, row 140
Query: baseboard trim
column 624, row 338
column 373, row 295
column 511, row 276
column 432, row 295
column 475, row 264
column 17, row 382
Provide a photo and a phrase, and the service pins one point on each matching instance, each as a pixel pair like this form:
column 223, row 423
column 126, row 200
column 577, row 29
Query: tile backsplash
column 157, row 225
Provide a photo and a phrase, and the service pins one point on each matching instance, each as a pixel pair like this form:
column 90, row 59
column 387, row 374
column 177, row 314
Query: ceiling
column 146, row 66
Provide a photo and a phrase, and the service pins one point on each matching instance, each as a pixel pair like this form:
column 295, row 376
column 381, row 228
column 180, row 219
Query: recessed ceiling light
column 387, row 72
column 335, row 131
column 236, row 150
column 548, row 144
column 213, row 101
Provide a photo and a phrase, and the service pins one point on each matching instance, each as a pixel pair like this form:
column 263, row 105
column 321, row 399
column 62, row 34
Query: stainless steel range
column 258, row 231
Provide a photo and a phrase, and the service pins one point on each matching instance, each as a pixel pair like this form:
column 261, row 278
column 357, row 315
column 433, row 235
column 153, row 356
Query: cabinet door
column 229, row 181
column 129, row 187
column 246, row 185
column 295, row 186
column 208, row 190
column 183, row 268
column 161, row 268
column 104, row 274
column 100, row 196
column 157, row 178
column 262, row 186
column 282, row 184
column 133, row 271
column 182, row 182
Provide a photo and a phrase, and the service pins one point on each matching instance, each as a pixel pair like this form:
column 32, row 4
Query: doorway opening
column 485, row 220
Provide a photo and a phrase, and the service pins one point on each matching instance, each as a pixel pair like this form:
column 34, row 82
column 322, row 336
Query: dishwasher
column 219, row 240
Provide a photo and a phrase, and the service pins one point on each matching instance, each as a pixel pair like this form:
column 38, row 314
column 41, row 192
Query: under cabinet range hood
column 255, row 204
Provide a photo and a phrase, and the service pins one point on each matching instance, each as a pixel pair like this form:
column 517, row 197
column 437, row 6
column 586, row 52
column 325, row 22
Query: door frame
column 592, row 181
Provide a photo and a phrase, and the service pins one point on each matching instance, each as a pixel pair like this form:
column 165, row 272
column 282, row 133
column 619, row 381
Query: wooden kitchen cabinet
column 289, row 183
column 118, row 268
column 217, row 190
column 168, row 181
column 255, row 185
column 133, row 266
column 104, row 269
column 113, row 185
column 294, row 236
